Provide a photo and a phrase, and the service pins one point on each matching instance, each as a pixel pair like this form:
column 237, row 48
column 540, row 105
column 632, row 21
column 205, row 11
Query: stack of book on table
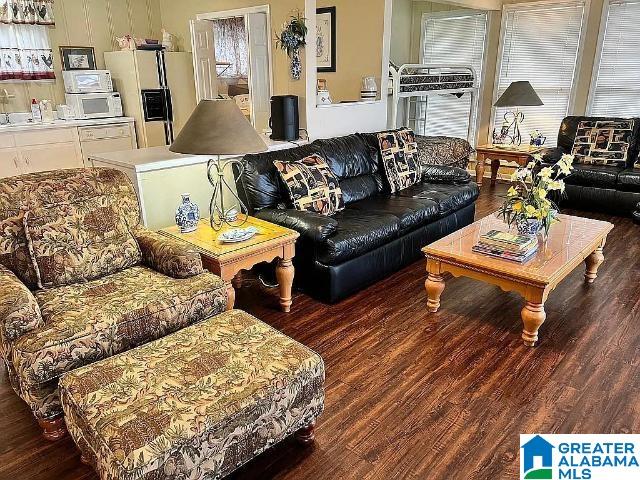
column 506, row 245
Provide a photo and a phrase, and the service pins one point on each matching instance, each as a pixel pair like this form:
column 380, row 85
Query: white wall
column 343, row 119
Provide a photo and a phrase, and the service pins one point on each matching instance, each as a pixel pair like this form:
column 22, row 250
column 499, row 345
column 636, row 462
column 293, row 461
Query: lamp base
column 510, row 130
column 219, row 217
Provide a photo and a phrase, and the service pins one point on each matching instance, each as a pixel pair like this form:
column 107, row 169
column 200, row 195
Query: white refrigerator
column 157, row 89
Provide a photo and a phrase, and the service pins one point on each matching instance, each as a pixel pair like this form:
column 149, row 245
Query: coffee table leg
column 533, row 315
column 231, row 295
column 480, row 159
column 284, row 274
column 435, row 286
column 592, row 262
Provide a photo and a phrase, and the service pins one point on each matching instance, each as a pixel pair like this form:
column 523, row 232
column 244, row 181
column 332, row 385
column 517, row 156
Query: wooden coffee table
column 510, row 153
column 571, row 241
column 228, row 259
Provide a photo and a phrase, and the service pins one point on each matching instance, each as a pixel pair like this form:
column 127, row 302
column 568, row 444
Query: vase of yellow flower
column 528, row 205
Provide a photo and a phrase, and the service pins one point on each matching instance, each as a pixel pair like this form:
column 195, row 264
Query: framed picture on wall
column 78, row 58
column 326, row 39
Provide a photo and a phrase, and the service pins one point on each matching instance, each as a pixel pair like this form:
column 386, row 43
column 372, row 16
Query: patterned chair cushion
column 91, row 321
column 446, row 151
column 312, row 185
column 195, row 404
column 398, row 149
column 603, row 142
column 79, row 241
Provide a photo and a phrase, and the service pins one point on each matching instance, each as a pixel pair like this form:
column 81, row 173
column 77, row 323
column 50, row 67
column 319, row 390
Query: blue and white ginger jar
column 187, row 215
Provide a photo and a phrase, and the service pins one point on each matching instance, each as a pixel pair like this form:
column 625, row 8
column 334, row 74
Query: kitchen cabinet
column 42, row 147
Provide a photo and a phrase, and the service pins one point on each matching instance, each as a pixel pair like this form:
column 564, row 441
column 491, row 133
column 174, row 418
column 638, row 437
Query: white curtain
column 25, row 53
column 230, row 37
column 33, row 12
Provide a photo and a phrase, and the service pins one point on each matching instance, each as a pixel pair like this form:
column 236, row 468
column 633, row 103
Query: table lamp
column 218, row 127
column 518, row 94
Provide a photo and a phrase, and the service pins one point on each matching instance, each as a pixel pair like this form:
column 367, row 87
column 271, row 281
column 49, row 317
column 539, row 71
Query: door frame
column 243, row 12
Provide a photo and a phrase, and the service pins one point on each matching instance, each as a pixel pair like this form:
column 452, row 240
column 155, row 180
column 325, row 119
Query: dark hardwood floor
column 438, row 396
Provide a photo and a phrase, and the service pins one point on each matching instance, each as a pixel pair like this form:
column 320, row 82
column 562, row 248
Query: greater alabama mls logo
column 580, row 457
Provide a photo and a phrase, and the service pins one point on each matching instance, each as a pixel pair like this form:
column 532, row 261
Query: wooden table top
column 508, row 149
column 207, row 240
column 570, row 241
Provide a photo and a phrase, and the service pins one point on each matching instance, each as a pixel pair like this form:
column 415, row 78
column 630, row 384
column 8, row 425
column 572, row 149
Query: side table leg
column 495, row 166
column 231, row 295
column 435, row 286
column 533, row 315
column 284, row 274
column 592, row 262
column 480, row 159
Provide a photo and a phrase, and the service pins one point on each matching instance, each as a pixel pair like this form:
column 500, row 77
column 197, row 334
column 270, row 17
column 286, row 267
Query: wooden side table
column 511, row 153
column 228, row 259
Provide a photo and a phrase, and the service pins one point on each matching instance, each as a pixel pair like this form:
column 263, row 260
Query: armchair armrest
column 447, row 151
column 19, row 310
column 311, row 226
column 168, row 256
column 442, row 174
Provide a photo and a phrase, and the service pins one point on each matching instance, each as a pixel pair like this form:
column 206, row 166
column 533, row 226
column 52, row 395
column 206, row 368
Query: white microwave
column 95, row 105
column 87, row 81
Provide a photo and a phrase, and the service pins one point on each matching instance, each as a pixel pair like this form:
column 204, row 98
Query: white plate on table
column 236, row 235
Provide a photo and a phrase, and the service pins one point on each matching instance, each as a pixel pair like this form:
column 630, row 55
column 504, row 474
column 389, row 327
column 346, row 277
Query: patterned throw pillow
column 79, row 241
column 312, row 185
column 603, row 142
column 399, row 158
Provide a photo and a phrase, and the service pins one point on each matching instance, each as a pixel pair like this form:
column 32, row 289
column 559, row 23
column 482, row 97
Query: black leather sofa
column 377, row 233
column 599, row 187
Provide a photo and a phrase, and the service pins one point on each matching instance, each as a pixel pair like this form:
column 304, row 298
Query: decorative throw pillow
column 603, row 142
column 312, row 185
column 79, row 241
column 398, row 149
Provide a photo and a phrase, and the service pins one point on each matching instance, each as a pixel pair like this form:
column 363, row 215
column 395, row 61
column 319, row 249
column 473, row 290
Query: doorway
column 232, row 57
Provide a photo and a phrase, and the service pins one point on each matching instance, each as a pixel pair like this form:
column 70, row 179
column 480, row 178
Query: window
column 25, row 52
column 232, row 50
column 540, row 43
column 616, row 87
column 452, row 38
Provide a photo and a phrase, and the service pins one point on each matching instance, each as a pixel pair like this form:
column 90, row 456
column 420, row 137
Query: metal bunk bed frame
column 432, row 70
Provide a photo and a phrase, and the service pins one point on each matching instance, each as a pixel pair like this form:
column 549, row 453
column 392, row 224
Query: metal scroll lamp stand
column 218, row 127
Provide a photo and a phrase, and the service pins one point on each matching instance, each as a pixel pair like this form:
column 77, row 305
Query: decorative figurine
column 187, row 215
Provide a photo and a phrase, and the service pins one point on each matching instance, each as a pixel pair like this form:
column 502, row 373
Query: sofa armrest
column 311, row 226
column 551, row 155
column 168, row 256
column 19, row 310
column 447, row 151
column 442, row 174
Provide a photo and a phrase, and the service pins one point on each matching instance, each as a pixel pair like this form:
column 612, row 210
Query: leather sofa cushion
column 449, row 198
column 261, row 184
column 347, row 156
column 358, row 232
column 411, row 212
column 629, row 180
column 360, row 187
column 603, row 176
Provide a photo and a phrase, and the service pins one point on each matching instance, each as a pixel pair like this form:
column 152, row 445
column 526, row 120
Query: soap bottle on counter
column 46, row 111
column 36, row 113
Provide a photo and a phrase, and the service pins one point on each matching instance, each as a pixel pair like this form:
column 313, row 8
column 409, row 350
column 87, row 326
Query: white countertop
column 26, row 126
column 160, row 158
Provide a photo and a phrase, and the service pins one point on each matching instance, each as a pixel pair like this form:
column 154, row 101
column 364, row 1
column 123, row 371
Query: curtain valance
column 27, row 12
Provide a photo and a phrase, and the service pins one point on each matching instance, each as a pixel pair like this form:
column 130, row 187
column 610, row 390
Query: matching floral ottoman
column 195, row 404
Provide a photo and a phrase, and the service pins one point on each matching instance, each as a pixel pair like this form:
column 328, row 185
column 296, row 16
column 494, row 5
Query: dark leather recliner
column 377, row 233
column 599, row 187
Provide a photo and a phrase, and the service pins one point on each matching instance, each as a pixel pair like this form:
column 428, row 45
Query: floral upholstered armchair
column 81, row 280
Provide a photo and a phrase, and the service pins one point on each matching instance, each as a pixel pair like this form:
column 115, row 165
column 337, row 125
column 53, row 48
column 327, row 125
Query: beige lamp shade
column 218, row 127
column 519, row 94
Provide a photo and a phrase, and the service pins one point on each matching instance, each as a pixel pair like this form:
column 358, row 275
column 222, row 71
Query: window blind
column 451, row 39
column 540, row 44
column 617, row 86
